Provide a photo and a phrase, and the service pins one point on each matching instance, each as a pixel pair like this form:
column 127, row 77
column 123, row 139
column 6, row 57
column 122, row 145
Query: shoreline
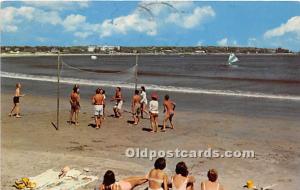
column 6, row 55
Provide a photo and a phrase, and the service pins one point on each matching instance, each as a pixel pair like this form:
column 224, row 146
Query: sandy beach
column 31, row 145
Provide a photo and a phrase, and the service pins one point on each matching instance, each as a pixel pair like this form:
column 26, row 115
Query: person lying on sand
column 97, row 101
column 157, row 178
column 16, row 101
column 153, row 110
column 75, row 105
column 119, row 102
column 169, row 110
column 182, row 180
column 136, row 107
column 109, row 182
column 212, row 183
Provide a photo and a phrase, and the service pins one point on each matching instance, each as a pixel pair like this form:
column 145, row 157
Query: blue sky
column 151, row 23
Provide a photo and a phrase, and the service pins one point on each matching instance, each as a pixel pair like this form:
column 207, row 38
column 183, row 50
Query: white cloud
column 223, row 42
column 149, row 16
column 183, row 14
column 188, row 21
column 41, row 39
column 252, row 42
column 291, row 26
column 82, row 34
column 199, row 43
column 124, row 24
column 226, row 42
column 73, row 22
column 57, row 5
column 11, row 17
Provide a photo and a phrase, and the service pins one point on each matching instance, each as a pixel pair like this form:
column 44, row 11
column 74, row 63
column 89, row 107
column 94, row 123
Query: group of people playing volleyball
column 158, row 180
column 139, row 107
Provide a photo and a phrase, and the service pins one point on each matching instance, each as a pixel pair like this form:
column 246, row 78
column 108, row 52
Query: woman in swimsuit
column 75, row 105
column 158, row 179
column 212, row 183
column 109, row 182
column 153, row 110
column 182, row 180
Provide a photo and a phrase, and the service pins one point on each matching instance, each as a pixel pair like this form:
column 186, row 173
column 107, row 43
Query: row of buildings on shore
column 105, row 49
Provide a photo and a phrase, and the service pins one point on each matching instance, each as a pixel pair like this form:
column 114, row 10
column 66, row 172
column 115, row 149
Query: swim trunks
column 119, row 105
column 98, row 110
column 16, row 99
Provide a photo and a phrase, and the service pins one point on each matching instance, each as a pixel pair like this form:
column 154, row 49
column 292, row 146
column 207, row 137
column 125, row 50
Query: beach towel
column 73, row 180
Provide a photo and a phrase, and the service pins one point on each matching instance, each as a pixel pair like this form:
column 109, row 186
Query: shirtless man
column 169, row 108
column 119, row 102
column 98, row 101
column 75, row 105
column 16, row 101
column 136, row 107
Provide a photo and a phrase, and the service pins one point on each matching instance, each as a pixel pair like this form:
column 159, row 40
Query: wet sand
column 31, row 145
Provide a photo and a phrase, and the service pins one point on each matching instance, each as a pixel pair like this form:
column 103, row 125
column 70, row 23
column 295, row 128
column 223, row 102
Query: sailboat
column 232, row 59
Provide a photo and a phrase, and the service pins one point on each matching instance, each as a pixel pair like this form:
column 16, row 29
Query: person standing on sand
column 169, row 110
column 102, row 91
column 97, row 101
column 75, row 105
column 144, row 102
column 212, row 183
column 153, row 111
column 16, row 101
column 119, row 102
column 182, row 180
column 157, row 177
column 109, row 182
column 136, row 107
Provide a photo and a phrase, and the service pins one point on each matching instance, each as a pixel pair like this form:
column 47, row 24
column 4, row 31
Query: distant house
column 54, row 50
column 91, row 48
column 109, row 48
column 200, row 51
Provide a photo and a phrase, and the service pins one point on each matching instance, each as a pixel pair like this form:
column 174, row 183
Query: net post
column 58, row 89
column 136, row 70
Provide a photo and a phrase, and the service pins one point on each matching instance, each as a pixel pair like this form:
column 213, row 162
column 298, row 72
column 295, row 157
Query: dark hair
column 154, row 98
column 98, row 91
column 136, row 92
column 182, row 169
column 160, row 163
column 75, row 89
column 143, row 88
column 103, row 91
column 212, row 175
column 167, row 97
column 119, row 88
column 108, row 179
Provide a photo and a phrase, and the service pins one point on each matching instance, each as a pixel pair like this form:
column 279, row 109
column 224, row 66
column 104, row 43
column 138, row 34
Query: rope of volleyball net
column 130, row 71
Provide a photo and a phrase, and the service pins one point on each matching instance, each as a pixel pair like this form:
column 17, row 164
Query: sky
column 151, row 23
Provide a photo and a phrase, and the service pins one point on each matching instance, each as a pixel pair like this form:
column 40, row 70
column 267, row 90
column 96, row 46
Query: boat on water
column 232, row 59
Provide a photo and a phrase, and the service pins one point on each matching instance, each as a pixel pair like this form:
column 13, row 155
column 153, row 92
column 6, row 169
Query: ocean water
column 271, row 79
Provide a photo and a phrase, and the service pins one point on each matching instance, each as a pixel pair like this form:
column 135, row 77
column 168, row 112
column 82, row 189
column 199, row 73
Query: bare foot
column 18, row 116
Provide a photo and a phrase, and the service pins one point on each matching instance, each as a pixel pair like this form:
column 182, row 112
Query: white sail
column 232, row 59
